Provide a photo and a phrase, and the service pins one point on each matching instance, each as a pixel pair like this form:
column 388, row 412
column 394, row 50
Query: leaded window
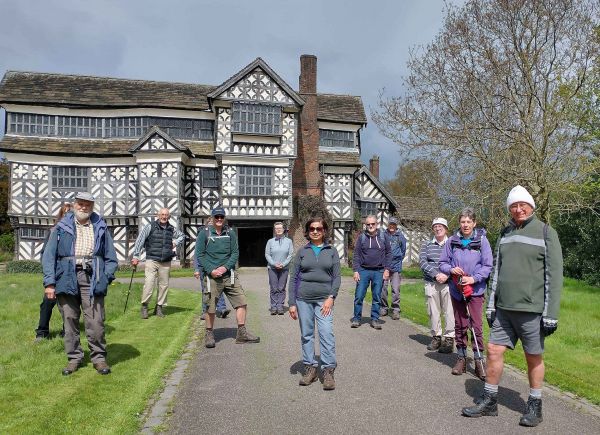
column 34, row 233
column 199, row 129
column 30, row 124
column 132, row 126
column 210, row 178
column 255, row 118
column 79, row 126
column 336, row 138
column 255, row 180
column 74, row 178
column 368, row 208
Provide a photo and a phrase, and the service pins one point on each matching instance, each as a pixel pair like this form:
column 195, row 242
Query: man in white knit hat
column 523, row 302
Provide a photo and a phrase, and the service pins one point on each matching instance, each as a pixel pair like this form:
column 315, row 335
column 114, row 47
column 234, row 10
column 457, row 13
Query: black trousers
column 43, row 329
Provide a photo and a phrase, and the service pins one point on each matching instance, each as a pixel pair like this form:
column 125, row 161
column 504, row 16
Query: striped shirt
column 84, row 242
column 178, row 237
column 429, row 258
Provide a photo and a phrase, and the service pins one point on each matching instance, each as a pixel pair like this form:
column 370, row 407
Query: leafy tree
column 494, row 99
column 417, row 178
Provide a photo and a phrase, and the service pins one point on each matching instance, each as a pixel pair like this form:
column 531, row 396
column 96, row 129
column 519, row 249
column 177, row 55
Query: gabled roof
column 340, row 108
column 388, row 195
column 156, row 131
column 257, row 63
column 339, row 158
column 88, row 91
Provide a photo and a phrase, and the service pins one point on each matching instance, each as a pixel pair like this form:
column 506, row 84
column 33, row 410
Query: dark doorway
column 252, row 243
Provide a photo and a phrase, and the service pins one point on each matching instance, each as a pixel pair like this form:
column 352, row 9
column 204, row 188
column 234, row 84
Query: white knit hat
column 519, row 194
column 442, row 221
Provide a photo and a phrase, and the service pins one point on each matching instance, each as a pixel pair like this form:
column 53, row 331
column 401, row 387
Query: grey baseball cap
column 85, row 196
column 393, row 220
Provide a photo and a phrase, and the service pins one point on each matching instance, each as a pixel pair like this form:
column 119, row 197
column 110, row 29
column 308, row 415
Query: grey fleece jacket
column 314, row 278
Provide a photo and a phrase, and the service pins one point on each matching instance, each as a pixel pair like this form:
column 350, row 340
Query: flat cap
column 85, row 196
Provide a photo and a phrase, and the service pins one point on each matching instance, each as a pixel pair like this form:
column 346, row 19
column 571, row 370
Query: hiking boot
column 40, row 338
column 480, row 368
column 203, row 316
column 310, row 375
column 144, row 311
column 328, row 379
column 281, row 311
column 487, row 405
column 102, row 368
column 354, row 323
column 219, row 314
column 435, row 344
column 383, row 312
column 447, row 346
column 395, row 315
column 158, row 311
column 375, row 324
column 70, row 368
column 533, row 413
column 225, row 313
column 460, row 367
column 209, row 339
column 243, row 336
column 273, row 311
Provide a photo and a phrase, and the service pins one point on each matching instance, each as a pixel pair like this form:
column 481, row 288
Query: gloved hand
column 490, row 316
column 549, row 325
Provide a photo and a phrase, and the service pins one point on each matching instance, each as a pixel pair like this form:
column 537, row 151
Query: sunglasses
column 371, row 225
column 316, row 229
column 219, row 217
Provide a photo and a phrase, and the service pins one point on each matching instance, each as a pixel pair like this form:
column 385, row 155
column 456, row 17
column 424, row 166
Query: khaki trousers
column 153, row 270
column 93, row 320
column 438, row 303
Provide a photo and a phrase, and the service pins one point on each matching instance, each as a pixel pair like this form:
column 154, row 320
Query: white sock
column 490, row 388
column 535, row 392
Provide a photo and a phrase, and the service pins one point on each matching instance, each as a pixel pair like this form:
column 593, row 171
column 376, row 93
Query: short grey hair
column 371, row 216
column 469, row 213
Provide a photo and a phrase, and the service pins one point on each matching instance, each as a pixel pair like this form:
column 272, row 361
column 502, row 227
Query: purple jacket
column 476, row 260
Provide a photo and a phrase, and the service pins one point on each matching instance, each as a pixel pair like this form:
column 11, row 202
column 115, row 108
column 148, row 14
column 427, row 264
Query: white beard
column 82, row 216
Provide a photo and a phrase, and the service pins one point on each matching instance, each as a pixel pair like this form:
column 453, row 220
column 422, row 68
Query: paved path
column 386, row 382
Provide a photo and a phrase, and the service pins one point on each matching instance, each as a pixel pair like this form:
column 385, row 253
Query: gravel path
column 386, row 382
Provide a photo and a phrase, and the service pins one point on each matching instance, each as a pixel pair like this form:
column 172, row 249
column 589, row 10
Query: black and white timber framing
column 139, row 145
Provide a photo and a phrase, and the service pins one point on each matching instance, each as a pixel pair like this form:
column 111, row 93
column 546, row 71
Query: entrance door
column 252, row 243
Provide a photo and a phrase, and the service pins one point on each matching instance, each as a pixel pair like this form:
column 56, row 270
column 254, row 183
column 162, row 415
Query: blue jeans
column 221, row 305
column 307, row 313
column 375, row 278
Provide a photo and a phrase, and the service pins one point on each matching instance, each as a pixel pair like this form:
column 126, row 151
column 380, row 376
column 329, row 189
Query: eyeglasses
column 371, row 225
column 219, row 217
column 316, row 229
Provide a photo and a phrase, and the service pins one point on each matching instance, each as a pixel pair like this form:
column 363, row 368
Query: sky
column 362, row 47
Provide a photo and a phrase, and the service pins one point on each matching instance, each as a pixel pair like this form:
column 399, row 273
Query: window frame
column 244, row 119
column 58, row 179
column 336, row 142
column 250, row 180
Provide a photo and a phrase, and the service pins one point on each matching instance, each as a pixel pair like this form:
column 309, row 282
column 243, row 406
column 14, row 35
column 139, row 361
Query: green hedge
column 7, row 242
column 24, row 266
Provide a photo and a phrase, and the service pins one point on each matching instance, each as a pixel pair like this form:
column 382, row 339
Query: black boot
column 533, row 413
column 488, row 405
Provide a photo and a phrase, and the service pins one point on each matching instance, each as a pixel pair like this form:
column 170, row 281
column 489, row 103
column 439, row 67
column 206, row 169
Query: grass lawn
column 36, row 398
column 571, row 354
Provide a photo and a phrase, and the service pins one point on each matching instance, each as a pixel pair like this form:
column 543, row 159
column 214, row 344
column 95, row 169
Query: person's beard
column 82, row 216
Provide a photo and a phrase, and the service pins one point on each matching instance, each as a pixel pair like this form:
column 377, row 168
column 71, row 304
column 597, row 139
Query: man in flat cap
column 79, row 263
column 523, row 302
column 398, row 245
column 217, row 253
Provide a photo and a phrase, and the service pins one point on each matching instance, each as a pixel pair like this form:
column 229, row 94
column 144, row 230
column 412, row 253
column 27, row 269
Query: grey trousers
column 394, row 280
column 93, row 320
column 277, row 282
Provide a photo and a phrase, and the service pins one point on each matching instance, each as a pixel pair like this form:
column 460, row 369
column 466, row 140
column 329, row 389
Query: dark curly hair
column 322, row 221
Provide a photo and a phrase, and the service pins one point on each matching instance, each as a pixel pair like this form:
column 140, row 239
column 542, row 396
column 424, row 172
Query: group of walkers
column 521, row 282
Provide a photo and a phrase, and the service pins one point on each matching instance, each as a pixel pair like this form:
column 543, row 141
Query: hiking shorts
column 510, row 326
column 234, row 292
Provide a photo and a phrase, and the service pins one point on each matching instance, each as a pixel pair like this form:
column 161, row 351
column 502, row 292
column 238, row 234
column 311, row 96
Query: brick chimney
column 374, row 166
column 306, row 176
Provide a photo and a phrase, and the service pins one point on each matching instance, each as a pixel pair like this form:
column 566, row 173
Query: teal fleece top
column 528, row 270
column 220, row 250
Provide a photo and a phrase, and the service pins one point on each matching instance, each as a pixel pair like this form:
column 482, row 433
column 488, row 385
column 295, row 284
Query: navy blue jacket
column 398, row 244
column 58, row 260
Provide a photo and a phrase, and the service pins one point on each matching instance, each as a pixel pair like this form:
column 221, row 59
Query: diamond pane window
column 336, row 138
column 252, row 118
column 210, row 178
column 70, row 177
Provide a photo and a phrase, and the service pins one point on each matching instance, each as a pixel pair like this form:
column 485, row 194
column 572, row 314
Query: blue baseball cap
column 218, row 211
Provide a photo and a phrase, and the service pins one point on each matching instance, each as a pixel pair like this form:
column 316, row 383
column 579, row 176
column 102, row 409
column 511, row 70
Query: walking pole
column 474, row 336
column 129, row 289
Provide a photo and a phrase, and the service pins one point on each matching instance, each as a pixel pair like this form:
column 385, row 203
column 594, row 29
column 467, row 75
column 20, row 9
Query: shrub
column 24, row 266
column 7, row 242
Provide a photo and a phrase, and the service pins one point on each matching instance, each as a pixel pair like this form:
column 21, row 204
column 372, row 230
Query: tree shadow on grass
column 506, row 397
column 120, row 352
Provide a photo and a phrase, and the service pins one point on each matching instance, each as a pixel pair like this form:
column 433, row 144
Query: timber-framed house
column 249, row 144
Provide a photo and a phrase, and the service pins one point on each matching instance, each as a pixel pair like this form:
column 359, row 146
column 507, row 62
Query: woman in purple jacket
column 467, row 258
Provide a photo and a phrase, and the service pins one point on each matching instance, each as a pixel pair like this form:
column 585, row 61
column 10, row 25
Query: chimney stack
column 374, row 166
column 306, row 175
